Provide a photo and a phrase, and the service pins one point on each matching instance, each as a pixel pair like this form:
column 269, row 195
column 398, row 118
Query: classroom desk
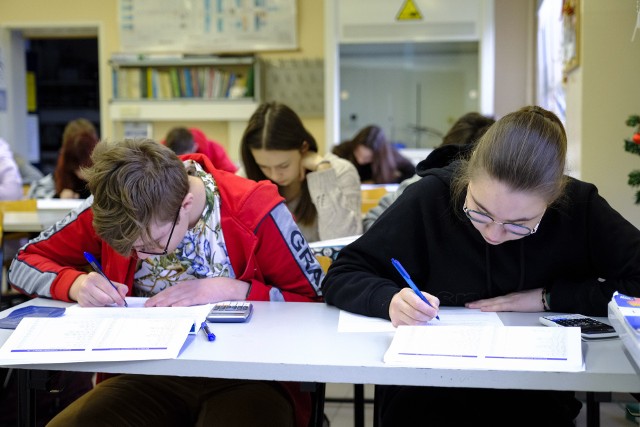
column 273, row 347
column 47, row 213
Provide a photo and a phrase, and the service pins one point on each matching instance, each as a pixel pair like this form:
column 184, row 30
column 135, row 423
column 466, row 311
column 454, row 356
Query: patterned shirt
column 201, row 254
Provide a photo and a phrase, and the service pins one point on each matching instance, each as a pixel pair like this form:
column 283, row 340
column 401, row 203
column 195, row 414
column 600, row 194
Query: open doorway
column 65, row 87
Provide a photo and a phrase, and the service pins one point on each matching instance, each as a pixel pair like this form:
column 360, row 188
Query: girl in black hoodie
column 506, row 230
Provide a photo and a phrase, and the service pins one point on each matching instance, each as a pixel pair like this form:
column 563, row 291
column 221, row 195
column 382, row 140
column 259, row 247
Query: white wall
column 514, row 54
column 601, row 94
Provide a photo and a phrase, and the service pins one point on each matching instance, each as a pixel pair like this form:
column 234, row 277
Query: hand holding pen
column 412, row 285
column 98, row 269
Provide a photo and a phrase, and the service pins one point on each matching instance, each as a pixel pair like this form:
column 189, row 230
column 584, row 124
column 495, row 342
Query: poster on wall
column 207, row 26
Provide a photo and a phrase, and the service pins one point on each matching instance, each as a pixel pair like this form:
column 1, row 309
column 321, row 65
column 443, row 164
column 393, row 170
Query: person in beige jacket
column 322, row 192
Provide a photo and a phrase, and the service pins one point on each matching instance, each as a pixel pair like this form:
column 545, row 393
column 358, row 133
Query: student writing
column 506, row 230
column 322, row 192
column 180, row 232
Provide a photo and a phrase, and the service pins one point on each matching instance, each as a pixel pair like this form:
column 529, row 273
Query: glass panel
column 414, row 91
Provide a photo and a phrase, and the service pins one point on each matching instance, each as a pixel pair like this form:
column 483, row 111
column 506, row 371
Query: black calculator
column 230, row 312
column 590, row 328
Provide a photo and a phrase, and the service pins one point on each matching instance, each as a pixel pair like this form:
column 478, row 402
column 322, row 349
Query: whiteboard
column 207, row 26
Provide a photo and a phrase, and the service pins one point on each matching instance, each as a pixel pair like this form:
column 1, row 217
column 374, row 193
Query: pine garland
column 634, row 147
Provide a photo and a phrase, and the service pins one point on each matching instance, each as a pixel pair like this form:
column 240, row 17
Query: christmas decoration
column 633, row 146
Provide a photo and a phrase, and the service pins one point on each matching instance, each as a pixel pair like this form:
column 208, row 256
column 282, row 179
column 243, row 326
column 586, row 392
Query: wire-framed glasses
column 166, row 247
column 483, row 218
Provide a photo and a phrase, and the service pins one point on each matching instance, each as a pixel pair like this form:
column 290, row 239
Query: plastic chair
column 26, row 205
column 371, row 197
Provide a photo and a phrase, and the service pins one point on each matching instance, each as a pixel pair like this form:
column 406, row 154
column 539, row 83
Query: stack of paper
column 513, row 348
column 103, row 334
column 624, row 314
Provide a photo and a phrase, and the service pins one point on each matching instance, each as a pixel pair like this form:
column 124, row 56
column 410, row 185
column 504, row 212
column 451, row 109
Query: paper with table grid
column 103, row 334
column 510, row 348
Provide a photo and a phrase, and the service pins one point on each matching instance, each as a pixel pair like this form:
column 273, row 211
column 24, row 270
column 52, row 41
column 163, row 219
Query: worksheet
column 510, row 348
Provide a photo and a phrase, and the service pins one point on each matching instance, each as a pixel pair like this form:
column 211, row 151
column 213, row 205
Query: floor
column 612, row 414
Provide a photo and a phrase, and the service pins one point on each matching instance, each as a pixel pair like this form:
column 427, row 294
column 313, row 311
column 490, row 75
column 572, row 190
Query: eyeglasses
column 166, row 248
column 482, row 218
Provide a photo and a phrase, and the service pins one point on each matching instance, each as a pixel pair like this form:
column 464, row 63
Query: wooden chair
column 371, row 197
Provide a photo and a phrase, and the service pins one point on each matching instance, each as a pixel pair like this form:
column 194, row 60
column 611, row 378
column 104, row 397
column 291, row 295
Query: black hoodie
column 579, row 242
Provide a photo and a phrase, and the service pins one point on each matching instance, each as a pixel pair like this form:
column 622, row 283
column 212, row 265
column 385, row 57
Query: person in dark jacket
column 376, row 159
column 505, row 230
column 457, row 143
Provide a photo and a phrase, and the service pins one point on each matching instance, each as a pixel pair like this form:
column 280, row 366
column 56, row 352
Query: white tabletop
column 300, row 342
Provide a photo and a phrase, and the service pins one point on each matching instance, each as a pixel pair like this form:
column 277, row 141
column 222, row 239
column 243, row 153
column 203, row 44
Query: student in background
column 377, row 160
column 10, row 180
column 181, row 233
column 67, row 181
column 506, row 230
column 28, row 172
column 185, row 141
column 322, row 192
column 457, row 143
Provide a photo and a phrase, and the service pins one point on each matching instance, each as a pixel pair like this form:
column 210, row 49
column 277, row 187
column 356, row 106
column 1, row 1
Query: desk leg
column 358, row 405
column 26, row 399
column 593, row 410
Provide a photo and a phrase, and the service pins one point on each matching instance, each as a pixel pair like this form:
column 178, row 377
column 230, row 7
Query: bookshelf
column 147, row 88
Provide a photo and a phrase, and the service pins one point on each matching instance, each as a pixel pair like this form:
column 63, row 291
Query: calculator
column 230, row 312
column 590, row 328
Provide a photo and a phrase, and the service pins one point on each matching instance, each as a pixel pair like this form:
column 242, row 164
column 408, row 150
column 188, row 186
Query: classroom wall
column 601, row 94
column 514, row 53
column 103, row 13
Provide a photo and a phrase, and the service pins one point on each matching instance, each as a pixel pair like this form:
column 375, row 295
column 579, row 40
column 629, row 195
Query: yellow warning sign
column 409, row 11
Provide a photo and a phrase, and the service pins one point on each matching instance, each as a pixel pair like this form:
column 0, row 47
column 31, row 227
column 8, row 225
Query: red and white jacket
column 264, row 244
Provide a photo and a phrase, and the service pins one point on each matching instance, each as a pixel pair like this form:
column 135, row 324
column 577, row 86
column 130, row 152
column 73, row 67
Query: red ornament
column 636, row 138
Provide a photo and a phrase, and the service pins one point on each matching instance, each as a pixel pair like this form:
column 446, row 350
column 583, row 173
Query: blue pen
column 98, row 269
column 207, row 331
column 407, row 279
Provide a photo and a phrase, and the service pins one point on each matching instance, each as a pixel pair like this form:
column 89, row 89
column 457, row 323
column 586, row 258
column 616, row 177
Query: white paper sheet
column 449, row 316
column 104, row 334
column 511, row 348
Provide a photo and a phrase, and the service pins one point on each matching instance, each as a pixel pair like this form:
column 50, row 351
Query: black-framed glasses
column 483, row 218
column 166, row 247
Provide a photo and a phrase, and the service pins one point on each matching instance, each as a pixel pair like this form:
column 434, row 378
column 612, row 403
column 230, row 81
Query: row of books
column 181, row 82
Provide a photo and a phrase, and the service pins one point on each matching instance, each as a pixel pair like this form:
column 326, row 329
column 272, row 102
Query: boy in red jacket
column 180, row 232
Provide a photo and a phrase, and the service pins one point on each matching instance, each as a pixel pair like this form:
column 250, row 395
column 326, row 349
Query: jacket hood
column 443, row 156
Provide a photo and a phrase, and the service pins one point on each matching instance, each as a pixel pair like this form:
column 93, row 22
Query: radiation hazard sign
column 408, row 12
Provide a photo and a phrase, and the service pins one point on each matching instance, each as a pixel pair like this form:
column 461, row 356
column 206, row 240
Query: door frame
column 13, row 119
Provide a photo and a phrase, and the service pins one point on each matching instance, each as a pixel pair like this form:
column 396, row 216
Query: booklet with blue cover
column 13, row 319
column 629, row 309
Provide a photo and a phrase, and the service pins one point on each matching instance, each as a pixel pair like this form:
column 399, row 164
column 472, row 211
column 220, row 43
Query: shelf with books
column 150, row 88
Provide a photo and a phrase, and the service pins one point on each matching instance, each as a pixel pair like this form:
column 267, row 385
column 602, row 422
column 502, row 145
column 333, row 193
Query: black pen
column 207, row 331
column 96, row 266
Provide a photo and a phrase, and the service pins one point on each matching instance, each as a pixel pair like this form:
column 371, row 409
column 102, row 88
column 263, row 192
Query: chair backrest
column 25, row 205
column 371, row 197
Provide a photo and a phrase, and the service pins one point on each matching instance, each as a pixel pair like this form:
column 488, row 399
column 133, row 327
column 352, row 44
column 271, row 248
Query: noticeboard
column 207, row 26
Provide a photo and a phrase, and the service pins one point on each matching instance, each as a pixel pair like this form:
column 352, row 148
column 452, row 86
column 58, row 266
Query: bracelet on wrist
column 545, row 300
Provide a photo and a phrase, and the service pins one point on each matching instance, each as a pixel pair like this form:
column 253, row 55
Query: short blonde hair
column 134, row 184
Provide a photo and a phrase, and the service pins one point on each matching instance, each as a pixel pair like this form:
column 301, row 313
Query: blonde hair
column 134, row 184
